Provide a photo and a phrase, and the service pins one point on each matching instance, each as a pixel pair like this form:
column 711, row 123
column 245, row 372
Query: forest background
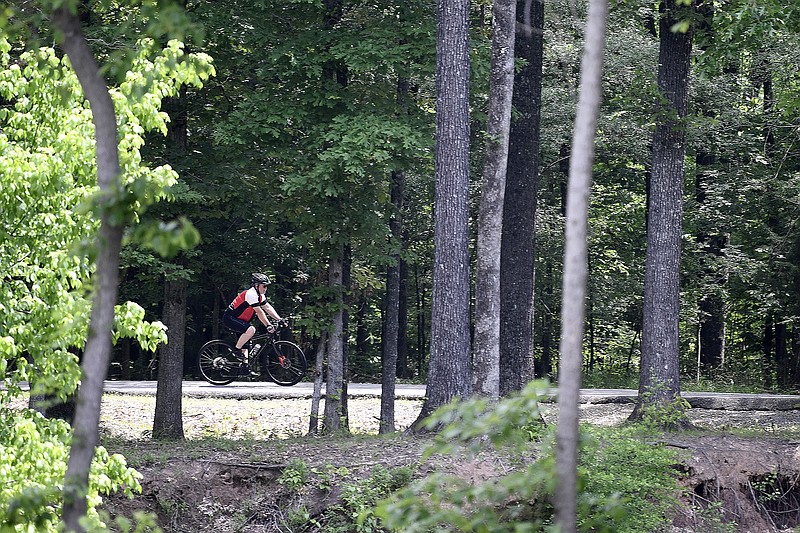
column 311, row 152
column 293, row 152
column 307, row 151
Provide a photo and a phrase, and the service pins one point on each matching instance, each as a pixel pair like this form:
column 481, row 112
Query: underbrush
column 490, row 468
column 353, row 510
column 626, row 482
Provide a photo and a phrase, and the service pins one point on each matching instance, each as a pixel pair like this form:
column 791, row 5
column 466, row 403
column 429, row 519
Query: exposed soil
column 223, row 478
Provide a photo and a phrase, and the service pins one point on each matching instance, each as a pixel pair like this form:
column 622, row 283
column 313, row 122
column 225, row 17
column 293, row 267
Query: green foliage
column 47, row 193
column 140, row 522
column 505, row 424
column 624, row 462
column 360, row 498
column 624, row 482
column 355, row 512
column 47, row 196
column 660, row 412
column 295, row 475
column 712, row 520
column 33, row 453
column 357, row 496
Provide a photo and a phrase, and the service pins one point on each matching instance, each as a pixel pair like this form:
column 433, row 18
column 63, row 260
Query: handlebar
column 278, row 324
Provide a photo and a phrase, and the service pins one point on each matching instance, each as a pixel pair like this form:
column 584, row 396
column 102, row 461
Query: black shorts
column 234, row 323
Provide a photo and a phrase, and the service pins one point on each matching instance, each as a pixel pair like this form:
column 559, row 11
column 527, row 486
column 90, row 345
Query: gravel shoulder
column 130, row 417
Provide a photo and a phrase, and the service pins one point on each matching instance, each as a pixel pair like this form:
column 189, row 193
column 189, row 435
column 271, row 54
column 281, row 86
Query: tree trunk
column 403, row 369
column 713, row 276
column 449, row 373
column 712, row 332
column 575, row 266
column 659, row 382
column 518, row 249
column 216, row 318
column 334, row 387
column 168, row 421
column 391, row 331
column 781, row 355
column 420, row 308
column 768, row 363
column 486, row 351
column 362, row 330
column 313, row 425
column 98, row 344
column 400, row 235
column 347, row 291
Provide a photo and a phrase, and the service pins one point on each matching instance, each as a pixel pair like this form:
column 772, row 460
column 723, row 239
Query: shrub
column 33, row 462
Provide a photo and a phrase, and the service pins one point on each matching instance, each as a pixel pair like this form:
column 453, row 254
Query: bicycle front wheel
column 286, row 363
column 217, row 363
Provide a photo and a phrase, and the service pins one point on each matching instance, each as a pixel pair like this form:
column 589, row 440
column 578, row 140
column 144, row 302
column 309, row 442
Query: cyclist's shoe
column 239, row 354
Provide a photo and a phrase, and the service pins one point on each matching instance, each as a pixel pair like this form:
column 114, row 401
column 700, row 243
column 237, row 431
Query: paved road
column 702, row 400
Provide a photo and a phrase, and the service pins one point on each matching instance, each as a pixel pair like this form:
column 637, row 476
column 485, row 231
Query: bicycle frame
column 282, row 361
column 263, row 339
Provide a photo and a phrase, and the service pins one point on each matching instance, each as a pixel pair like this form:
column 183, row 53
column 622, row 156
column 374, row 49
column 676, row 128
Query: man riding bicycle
column 241, row 310
column 278, row 360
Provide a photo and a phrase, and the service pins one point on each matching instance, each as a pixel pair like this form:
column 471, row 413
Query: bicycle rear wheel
column 217, row 363
column 286, row 363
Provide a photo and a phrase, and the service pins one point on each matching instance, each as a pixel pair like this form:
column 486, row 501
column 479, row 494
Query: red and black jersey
column 242, row 306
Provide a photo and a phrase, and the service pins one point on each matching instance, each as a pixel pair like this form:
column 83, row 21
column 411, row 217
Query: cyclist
column 241, row 310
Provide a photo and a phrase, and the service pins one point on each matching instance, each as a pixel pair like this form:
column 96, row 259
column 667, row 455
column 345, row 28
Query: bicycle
column 283, row 361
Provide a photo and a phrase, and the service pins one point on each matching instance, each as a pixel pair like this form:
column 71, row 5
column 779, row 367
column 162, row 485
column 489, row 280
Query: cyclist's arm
column 264, row 310
column 271, row 311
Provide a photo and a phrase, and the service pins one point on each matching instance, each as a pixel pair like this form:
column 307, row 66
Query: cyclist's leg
column 240, row 326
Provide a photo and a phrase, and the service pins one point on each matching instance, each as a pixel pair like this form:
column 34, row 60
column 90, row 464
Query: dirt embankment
column 226, row 485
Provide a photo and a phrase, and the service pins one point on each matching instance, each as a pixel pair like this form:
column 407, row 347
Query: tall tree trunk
column 391, row 331
column 713, row 278
column 98, row 344
column 449, row 376
column 486, row 350
column 518, row 249
column 334, row 421
column 168, row 420
column 347, row 285
column 575, row 265
column 712, row 331
column 659, row 381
